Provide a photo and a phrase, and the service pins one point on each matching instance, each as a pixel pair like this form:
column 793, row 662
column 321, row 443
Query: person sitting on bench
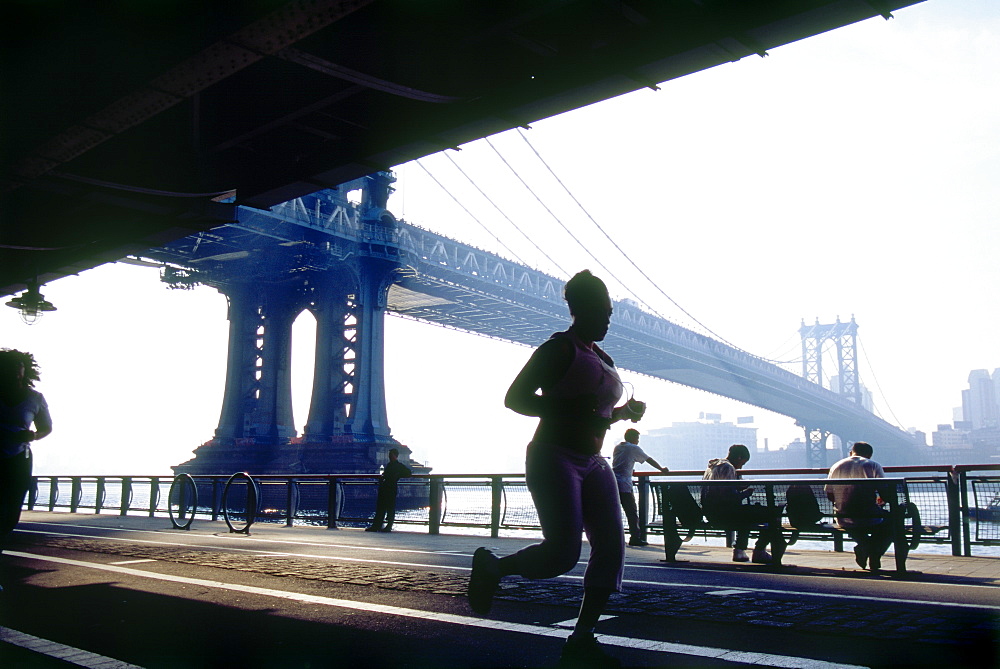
column 857, row 508
column 724, row 506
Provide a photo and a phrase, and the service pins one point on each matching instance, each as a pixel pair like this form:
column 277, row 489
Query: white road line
column 262, row 553
column 133, row 561
column 571, row 623
column 631, row 581
column 725, row 654
column 733, row 591
column 241, row 538
column 68, row 654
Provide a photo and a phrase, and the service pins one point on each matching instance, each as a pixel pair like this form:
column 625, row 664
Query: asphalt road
column 103, row 591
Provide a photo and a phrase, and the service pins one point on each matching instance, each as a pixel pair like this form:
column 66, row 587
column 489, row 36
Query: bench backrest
column 805, row 501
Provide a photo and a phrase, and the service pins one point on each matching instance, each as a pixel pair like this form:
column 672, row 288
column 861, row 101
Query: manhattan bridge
column 351, row 263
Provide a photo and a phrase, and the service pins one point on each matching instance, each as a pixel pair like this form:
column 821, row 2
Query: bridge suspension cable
column 885, row 399
column 473, row 216
column 564, row 227
column 626, row 256
column 502, row 213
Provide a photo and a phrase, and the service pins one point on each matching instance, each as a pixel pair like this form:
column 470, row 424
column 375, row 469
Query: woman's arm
column 43, row 423
column 546, row 366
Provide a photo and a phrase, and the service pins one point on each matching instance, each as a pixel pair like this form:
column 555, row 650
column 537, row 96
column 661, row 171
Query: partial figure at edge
column 21, row 408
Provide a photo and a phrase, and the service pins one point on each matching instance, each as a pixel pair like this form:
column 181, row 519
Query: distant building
column 946, row 438
column 691, row 445
column 980, row 405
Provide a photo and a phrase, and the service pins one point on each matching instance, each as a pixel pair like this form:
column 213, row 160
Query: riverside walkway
column 130, row 591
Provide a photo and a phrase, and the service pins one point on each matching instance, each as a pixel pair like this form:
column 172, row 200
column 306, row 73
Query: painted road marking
column 571, row 623
column 724, row 654
column 69, row 654
column 631, row 581
column 134, row 561
column 734, row 591
column 263, row 553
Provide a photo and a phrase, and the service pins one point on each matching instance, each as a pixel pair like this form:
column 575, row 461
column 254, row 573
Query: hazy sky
column 853, row 173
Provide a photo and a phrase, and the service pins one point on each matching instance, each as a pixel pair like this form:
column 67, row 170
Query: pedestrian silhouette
column 388, row 487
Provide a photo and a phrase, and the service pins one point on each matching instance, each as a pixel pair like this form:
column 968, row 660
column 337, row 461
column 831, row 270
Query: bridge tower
column 844, row 336
column 347, row 428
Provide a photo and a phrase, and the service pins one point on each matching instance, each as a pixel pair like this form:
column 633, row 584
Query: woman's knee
column 546, row 560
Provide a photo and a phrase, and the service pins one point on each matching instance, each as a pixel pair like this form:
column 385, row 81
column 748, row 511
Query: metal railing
column 959, row 505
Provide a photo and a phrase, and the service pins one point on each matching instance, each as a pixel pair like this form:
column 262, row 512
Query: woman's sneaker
column 484, row 581
column 740, row 555
column 583, row 652
column 761, row 556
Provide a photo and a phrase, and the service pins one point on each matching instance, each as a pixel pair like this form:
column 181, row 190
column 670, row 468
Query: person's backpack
column 686, row 510
column 802, row 508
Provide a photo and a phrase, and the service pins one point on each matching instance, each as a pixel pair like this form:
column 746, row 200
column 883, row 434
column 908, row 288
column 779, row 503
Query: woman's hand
column 632, row 410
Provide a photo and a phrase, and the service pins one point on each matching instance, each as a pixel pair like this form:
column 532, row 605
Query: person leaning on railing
column 857, row 507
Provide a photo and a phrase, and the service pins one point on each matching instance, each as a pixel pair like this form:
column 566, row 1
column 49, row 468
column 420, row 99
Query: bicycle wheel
column 182, row 501
column 239, row 502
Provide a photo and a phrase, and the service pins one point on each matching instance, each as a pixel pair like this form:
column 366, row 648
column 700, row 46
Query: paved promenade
column 819, row 610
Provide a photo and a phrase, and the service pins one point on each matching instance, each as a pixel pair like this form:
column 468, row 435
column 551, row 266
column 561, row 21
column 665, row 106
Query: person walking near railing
column 388, row 487
column 857, row 507
column 623, row 461
column 21, row 408
column 571, row 484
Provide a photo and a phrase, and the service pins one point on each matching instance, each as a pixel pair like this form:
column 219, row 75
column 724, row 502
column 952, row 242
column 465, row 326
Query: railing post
column 53, row 492
column 76, row 491
column 496, row 486
column 643, row 506
column 101, row 494
column 436, row 493
column 334, row 495
column 963, row 486
column 126, row 500
column 216, row 497
column 290, row 501
column 951, row 487
column 154, row 494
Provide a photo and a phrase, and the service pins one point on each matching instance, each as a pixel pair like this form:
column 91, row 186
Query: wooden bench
column 679, row 503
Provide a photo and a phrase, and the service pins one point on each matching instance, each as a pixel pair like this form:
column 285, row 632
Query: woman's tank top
column 591, row 372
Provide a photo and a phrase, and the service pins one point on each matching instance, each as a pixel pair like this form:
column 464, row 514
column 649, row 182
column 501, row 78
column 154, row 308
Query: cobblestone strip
column 859, row 619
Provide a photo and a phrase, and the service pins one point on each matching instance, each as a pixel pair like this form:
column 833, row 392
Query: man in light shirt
column 857, row 507
column 623, row 461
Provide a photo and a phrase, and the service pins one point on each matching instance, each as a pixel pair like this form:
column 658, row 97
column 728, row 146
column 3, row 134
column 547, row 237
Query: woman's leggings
column 574, row 493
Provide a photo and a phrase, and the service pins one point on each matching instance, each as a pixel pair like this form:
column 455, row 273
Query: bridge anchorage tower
column 844, row 336
column 345, row 287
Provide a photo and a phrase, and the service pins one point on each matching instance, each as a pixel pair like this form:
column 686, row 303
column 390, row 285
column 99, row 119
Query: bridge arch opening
column 303, row 366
